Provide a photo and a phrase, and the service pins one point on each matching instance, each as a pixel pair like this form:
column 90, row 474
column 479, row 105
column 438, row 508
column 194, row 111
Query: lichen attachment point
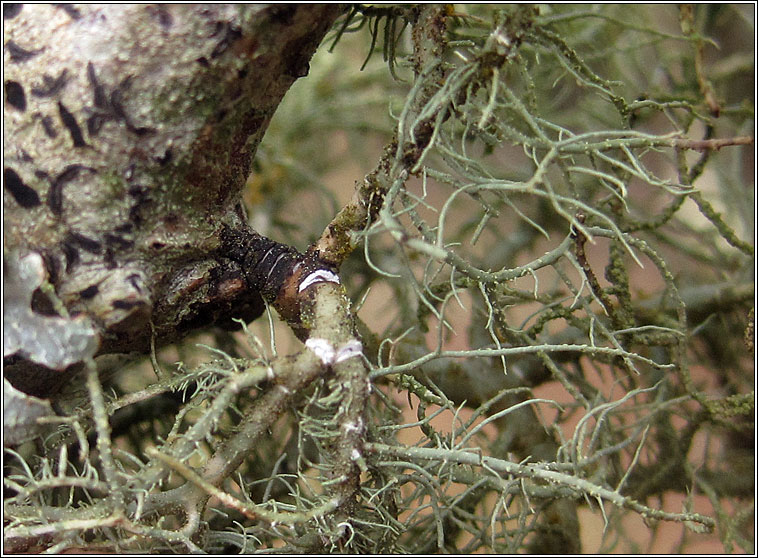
column 323, row 349
column 328, row 355
column 318, row 276
column 350, row 349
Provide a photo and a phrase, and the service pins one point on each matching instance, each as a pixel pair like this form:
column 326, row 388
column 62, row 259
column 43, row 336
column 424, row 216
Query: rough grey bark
column 129, row 133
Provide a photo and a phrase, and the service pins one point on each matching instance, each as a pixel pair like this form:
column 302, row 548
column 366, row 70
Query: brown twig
column 712, row 144
column 687, row 22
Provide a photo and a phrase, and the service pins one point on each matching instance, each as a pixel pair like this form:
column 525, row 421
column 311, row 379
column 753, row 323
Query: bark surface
column 129, row 133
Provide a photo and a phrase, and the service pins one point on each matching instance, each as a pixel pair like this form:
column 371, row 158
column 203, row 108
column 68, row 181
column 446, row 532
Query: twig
column 340, row 236
column 712, row 144
column 578, row 485
column 249, row 510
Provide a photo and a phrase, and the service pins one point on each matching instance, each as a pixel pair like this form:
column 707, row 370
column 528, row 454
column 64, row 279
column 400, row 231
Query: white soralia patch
column 318, row 276
column 328, row 355
column 349, row 350
column 323, row 349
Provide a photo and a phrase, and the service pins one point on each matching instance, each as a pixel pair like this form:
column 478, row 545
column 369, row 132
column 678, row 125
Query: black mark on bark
column 232, row 33
column 118, row 242
column 165, row 158
column 84, row 242
column 14, row 94
column 95, row 122
column 135, row 282
column 17, row 53
column 51, row 265
column 51, row 85
column 47, row 124
column 55, row 195
column 11, row 10
column 70, row 10
column 127, row 304
column 163, row 16
column 89, row 292
column 117, row 107
column 25, row 196
column 70, row 253
column 111, row 106
column 70, row 123
column 55, row 198
column 141, row 199
column 110, row 258
column 101, row 101
column 125, row 228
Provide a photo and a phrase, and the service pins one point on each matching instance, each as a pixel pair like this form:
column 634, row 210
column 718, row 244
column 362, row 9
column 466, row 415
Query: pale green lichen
column 477, row 301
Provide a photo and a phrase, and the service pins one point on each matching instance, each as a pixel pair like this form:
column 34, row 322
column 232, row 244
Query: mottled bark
column 129, row 133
